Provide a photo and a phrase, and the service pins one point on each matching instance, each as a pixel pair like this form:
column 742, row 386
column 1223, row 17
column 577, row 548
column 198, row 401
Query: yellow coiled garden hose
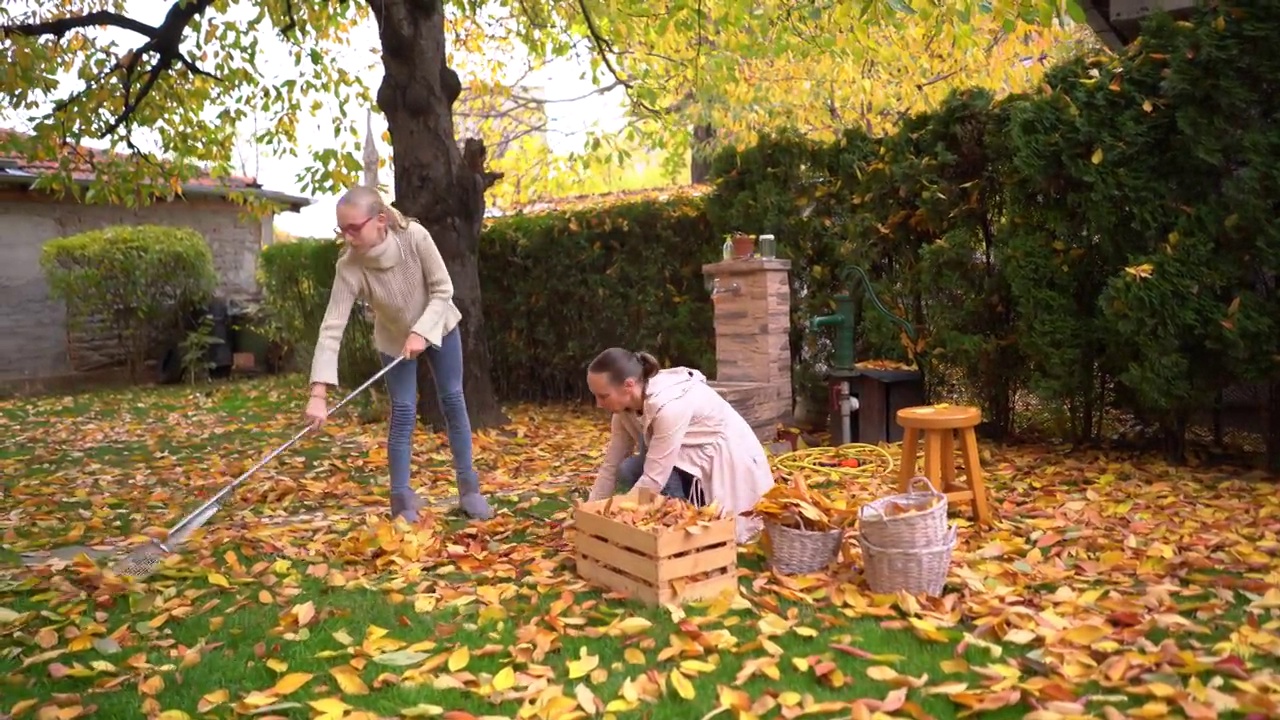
column 849, row 460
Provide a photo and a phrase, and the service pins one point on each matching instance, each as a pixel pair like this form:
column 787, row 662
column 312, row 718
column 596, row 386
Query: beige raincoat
column 690, row 426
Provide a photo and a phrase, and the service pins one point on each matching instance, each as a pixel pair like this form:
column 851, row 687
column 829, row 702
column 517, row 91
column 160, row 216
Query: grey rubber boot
column 405, row 504
column 470, row 499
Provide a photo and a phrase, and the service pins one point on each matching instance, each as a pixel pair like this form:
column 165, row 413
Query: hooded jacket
column 687, row 424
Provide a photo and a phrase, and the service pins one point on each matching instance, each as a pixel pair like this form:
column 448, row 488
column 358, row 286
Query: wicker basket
column 798, row 552
column 922, row 529
column 915, row 570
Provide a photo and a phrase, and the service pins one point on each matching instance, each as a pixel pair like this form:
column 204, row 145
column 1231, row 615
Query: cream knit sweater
column 405, row 280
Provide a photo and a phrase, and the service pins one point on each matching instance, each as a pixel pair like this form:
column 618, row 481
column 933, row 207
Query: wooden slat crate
column 657, row 568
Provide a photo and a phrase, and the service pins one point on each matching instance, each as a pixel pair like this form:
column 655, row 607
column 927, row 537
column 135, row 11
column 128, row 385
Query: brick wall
column 33, row 332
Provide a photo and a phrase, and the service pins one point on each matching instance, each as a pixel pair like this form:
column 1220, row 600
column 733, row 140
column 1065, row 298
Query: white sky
column 568, row 122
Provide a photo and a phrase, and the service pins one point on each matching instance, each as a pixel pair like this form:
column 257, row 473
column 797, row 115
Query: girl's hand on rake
column 414, row 346
column 316, row 412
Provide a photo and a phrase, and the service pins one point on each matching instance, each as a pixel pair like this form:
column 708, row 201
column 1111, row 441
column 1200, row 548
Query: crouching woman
column 688, row 441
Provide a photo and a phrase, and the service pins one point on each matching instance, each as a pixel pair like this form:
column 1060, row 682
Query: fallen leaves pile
column 793, row 504
column 1112, row 586
column 886, row 365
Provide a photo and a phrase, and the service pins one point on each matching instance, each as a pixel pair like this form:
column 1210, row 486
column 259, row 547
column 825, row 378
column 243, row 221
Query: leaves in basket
column 794, row 505
column 899, row 508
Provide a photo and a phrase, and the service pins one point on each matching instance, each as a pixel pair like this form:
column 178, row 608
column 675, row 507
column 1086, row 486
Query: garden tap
column 720, row 288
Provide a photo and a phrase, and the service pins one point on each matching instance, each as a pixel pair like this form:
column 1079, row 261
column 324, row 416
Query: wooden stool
column 939, row 425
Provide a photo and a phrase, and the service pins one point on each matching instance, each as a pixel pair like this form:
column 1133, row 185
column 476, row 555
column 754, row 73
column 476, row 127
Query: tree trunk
column 1174, row 433
column 700, row 157
column 434, row 185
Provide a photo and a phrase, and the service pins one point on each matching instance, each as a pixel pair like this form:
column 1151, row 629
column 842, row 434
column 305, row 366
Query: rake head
column 142, row 561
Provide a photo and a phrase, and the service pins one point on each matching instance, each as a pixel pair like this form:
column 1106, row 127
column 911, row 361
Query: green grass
column 249, row 637
column 102, row 466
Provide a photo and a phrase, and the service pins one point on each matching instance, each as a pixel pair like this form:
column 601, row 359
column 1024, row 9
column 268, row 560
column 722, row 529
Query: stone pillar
column 752, row 301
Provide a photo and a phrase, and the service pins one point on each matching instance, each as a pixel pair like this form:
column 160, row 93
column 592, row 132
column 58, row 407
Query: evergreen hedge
column 560, row 287
column 296, row 278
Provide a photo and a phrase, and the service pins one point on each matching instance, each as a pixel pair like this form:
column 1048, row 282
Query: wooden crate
column 654, row 567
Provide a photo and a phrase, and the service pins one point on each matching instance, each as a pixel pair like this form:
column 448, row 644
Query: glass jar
column 768, row 247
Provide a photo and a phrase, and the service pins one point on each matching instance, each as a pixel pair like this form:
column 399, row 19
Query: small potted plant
column 743, row 245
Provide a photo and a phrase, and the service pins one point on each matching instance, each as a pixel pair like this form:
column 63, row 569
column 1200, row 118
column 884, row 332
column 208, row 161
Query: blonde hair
column 372, row 202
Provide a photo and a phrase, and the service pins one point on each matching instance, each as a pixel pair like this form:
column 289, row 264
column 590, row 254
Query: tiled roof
column 18, row 169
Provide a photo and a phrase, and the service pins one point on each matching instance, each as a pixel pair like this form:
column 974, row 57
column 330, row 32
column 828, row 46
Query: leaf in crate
column 678, row 586
column 659, row 514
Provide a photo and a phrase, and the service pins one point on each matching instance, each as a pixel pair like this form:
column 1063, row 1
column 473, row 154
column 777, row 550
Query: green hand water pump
column 862, row 401
column 843, row 320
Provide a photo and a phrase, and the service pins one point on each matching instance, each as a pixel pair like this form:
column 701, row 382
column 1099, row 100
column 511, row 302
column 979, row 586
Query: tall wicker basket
column 915, row 570
column 918, row 518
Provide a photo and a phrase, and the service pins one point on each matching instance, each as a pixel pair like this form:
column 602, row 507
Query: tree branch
column 598, row 91
column 292, row 23
column 163, row 41
column 603, row 47
column 61, row 26
column 474, row 155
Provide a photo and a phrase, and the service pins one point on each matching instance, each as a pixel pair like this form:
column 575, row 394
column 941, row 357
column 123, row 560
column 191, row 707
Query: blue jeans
column 679, row 483
column 402, row 385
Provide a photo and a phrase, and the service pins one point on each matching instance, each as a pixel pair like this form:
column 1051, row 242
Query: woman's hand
column 414, row 346
column 317, row 411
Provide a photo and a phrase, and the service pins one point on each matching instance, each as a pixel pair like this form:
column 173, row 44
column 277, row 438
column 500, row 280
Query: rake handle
column 272, row 455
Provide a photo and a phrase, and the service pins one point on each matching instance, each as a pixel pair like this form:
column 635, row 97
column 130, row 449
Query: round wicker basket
column 924, row 525
column 798, row 552
column 915, row 570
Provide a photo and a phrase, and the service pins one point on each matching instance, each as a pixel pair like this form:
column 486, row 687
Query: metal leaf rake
column 145, row 559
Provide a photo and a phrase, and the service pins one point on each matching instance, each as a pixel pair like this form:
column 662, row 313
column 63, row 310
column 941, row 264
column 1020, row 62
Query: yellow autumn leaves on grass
column 1109, row 571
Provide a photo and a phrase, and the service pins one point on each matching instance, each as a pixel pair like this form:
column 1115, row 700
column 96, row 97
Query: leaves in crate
column 658, row 513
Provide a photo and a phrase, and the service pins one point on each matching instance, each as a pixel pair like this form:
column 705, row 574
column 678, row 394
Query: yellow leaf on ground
column 633, row 625
column 290, row 683
column 682, row 686
column 330, row 708
column 459, row 658
column 505, row 679
column 583, row 665
column 349, row 680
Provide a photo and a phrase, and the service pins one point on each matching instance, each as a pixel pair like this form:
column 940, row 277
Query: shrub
column 138, row 283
